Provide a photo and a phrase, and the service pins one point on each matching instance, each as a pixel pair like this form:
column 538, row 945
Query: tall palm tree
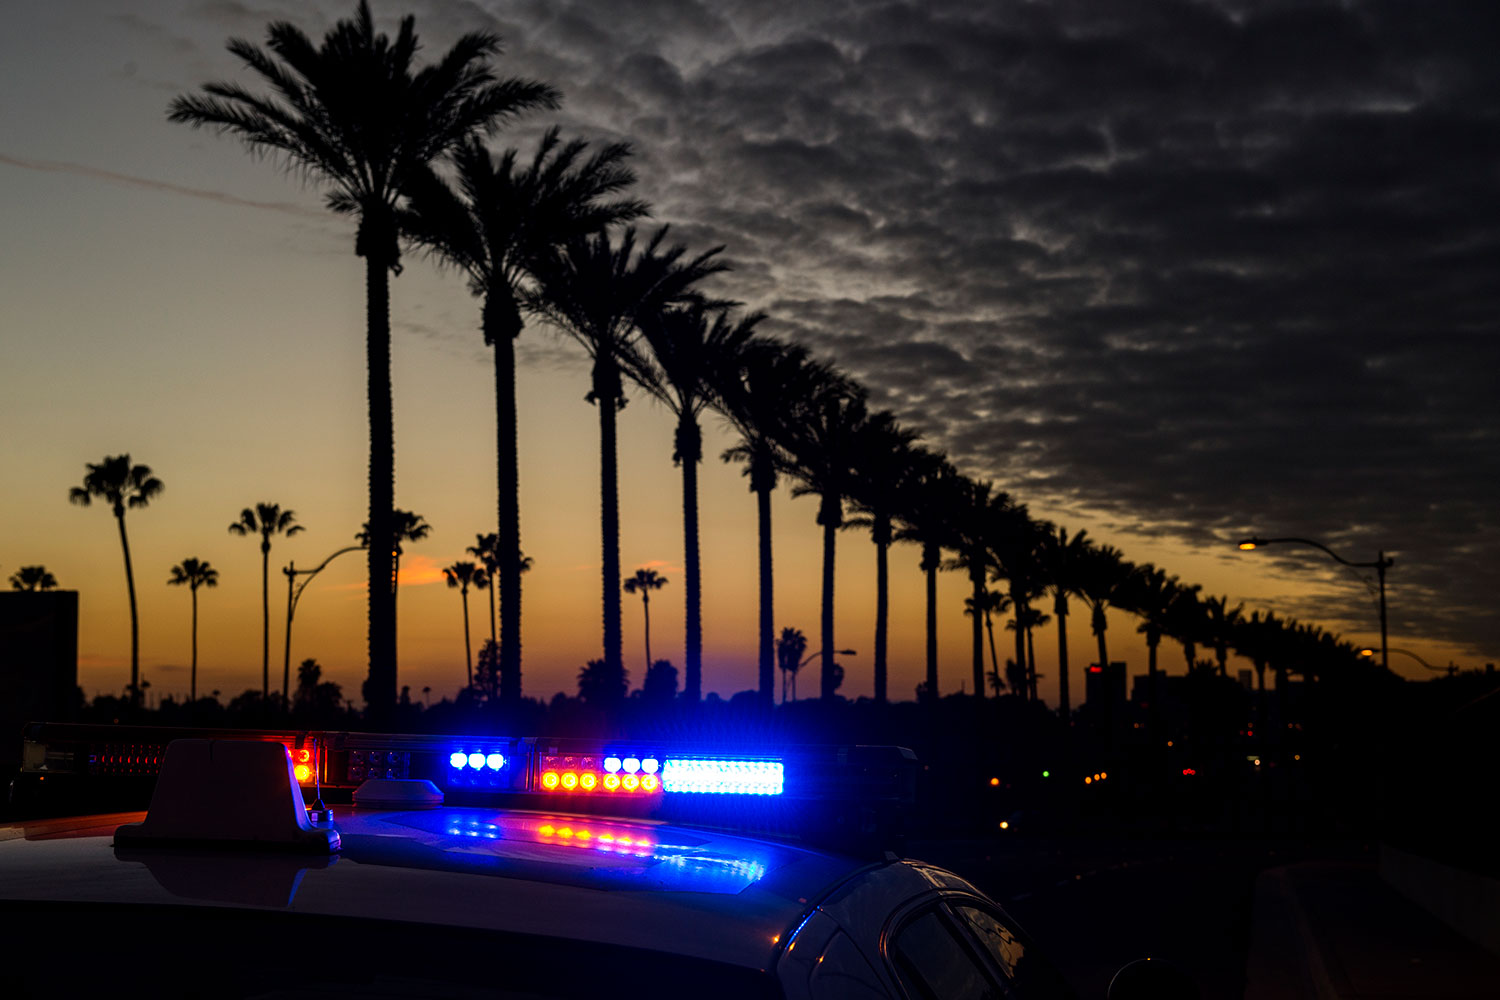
column 357, row 115
column 883, row 462
column 405, row 527
column 194, row 573
column 973, row 509
column 266, row 519
column 682, row 347
column 1102, row 572
column 1185, row 622
column 1221, row 621
column 1151, row 594
column 1060, row 557
column 33, row 578
column 928, row 516
column 645, row 581
column 790, row 648
column 486, row 550
column 593, row 290
column 992, row 603
column 505, row 214
column 121, row 485
column 752, row 396
column 1012, row 539
column 462, row 574
column 820, row 448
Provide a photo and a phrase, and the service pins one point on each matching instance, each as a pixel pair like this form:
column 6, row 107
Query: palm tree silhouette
column 485, row 550
column 973, row 509
column 266, row 519
column 883, row 462
column 121, row 485
column 356, row 115
column 195, row 573
column 820, row 442
column 686, row 345
column 991, row 603
column 405, row 527
column 503, row 216
column 33, row 578
column 1059, row 557
column 1102, row 573
column 645, row 581
column 789, row 649
column 593, row 291
column 752, row 396
column 1012, row 539
column 1151, row 594
column 1185, row 622
column 461, row 575
column 927, row 514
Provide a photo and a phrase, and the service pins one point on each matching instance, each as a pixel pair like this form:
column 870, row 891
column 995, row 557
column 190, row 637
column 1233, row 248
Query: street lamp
column 1450, row 669
column 293, row 595
column 1380, row 565
column 805, row 661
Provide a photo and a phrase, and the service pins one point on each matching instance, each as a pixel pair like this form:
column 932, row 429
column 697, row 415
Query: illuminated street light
column 1450, row 669
column 1380, row 565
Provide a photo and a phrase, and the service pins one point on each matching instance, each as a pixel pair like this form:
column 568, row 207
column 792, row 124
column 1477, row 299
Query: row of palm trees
column 551, row 236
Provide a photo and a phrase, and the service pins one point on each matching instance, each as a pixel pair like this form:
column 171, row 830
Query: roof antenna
column 318, row 812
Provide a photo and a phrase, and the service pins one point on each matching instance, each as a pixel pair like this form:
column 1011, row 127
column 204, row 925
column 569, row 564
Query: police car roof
column 633, row 883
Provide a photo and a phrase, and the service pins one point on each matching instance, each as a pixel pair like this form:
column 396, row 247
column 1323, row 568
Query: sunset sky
column 1172, row 272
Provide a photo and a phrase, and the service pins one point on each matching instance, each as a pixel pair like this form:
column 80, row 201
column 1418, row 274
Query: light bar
column 723, row 777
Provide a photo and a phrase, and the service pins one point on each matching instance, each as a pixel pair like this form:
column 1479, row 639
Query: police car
column 483, row 867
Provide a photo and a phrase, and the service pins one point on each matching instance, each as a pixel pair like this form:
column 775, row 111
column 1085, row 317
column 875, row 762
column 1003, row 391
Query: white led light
column 650, row 764
column 723, row 777
column 632, row 764
column 495, row 761
column 612, row 764
column 458, row 759
column 476, row 760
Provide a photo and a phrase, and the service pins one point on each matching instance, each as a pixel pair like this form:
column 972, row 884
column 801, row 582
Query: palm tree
column 405, row 527
column 973, row 507
column 33, row 578
column 1222, row 621
column 992, row 603
column 883, row 462
column 485, row 549
column 1151, row 594
column 1102, row 572
column 358, row 116
column 685, row 345
column 1012, row 539
column 1184, row 622
column 1060, row 557
column 752, row 396
column 122, row 485
column 266, row 519
column 645, row 581
column 789, row 651
column 820, row 441
column 504, row 216
column 461, row 575
column 927, row 514
column 195, row 573
column 594, row 291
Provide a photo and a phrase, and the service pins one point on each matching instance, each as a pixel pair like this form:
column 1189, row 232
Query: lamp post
column 808, row 659
column 1450, row 669
column 1380, row 565
column 293, row 595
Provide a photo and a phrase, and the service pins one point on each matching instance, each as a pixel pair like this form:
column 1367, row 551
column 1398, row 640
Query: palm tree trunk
column 380, row 692
column 689, row 451
column 977, row 579
column 1030, row 664
column 930, row 566
column 1060, row 609
column 646, row 607
column 606, row 394
column 830, row 530
column 882, row 607
column 989, row 626
column 193, row 672
column 1153, row 683
column 135, row 626
column 265, row 620
column 502, row 325
column 1018, row 607
column 767, row 621
column 1101, row 625
column 468, row 650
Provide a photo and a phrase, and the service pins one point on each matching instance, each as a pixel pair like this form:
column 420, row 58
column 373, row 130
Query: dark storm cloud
column 1204, row 267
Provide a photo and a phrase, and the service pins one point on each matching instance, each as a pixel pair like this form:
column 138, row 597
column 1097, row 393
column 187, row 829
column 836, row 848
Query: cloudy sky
column 1170, row 271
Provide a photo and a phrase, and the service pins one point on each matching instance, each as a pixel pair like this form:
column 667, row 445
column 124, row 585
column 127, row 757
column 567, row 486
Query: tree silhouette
column 508, row 675
column 593, row 291
column 266, row 519
column 928, row 514
column 461, row 575
column 121, row 485
column 752, row 395
column 645, row 581
column 685, row 346
column 660, row 685
column 790, row 648
column 972, row 509
column 405, row 527
column 1102, row 572
column 1060, row 558
column 194, row 573
column 992, row 603
column 602, row 685
column 33, row 578
column 357, row 115
column 503, row 217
